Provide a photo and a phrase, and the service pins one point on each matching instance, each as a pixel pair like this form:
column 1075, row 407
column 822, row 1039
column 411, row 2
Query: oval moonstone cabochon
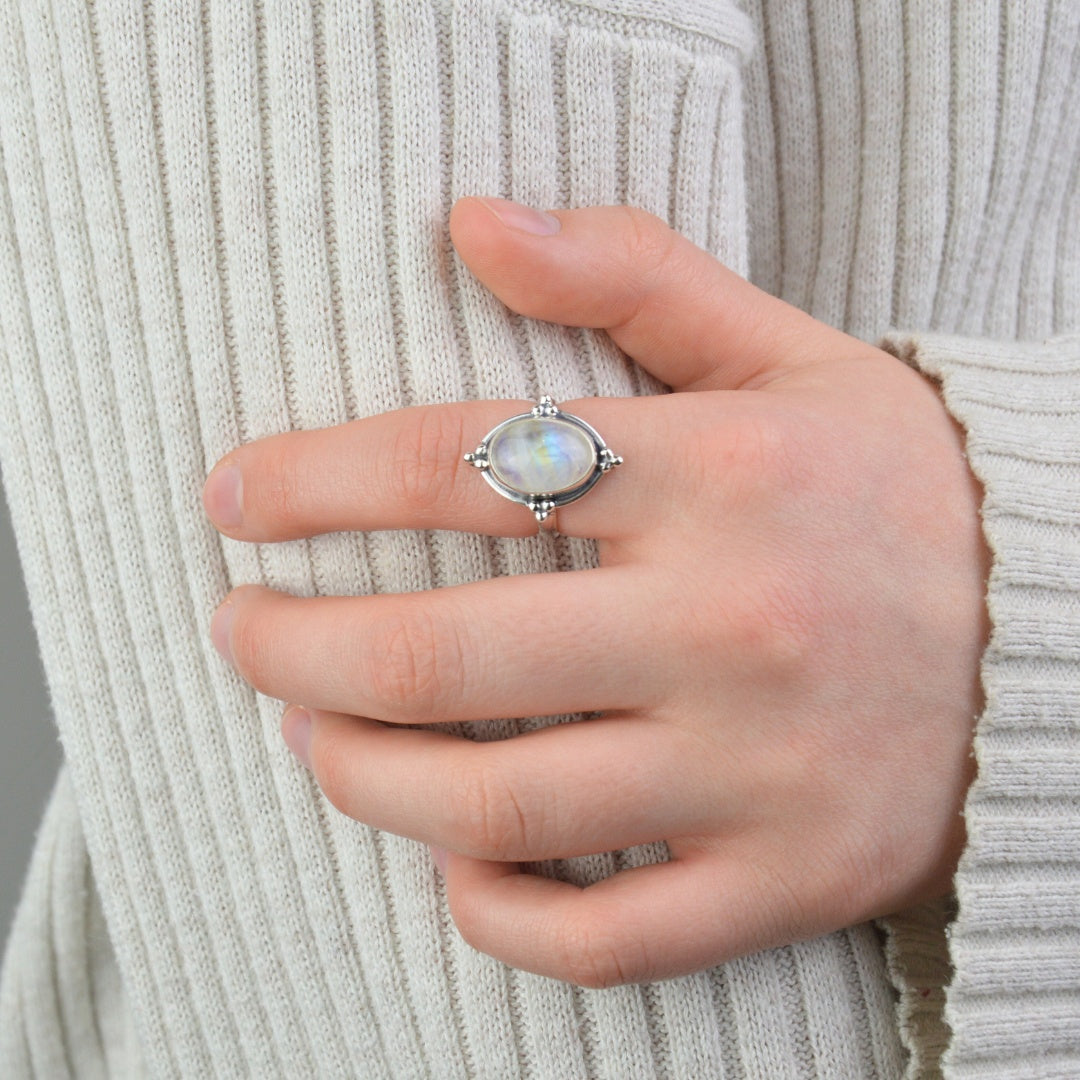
column 539, row 455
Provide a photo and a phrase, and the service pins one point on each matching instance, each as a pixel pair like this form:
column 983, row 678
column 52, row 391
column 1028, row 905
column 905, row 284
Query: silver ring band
column 549, row 524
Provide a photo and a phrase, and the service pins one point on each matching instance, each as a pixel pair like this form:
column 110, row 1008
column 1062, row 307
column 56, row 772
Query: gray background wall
column 29, row 748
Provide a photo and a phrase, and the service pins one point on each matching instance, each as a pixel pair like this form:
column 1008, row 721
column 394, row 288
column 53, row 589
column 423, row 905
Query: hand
column 782, row 637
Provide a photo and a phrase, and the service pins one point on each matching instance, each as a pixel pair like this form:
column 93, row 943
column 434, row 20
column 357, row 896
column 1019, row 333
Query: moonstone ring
column 544, row 458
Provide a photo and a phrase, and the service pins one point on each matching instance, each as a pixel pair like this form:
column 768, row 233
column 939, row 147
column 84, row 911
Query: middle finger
column 525, row 645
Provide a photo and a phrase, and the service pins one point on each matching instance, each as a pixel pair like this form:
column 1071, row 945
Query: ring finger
column 524, row 645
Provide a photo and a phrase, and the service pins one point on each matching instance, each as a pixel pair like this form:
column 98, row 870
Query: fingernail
column 220, row 625
column 296, row 730
column 438, row 857
column 524, row 218
column 222, row 495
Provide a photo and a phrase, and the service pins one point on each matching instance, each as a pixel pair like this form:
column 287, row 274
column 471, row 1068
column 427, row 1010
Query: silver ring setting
column 544, row 458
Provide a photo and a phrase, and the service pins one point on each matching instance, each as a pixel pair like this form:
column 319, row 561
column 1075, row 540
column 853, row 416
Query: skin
column 781, row 643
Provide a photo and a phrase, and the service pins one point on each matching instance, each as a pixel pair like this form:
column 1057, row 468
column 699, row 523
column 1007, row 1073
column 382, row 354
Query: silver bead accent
column 567, row 458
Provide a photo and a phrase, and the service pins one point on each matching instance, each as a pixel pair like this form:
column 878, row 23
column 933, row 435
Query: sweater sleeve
column 1010, row 990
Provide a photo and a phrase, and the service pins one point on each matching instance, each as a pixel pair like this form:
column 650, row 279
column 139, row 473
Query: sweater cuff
column 1002, row 972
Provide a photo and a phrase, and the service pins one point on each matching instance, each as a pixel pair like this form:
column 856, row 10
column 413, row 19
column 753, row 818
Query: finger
column 523, row 645
column 405, row 469
column 680, row 313
column 531, row 797
column 651, row 922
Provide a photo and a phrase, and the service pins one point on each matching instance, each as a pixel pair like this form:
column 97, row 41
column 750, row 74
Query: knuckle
column 777, row 627
column 416, row 666
column 648, row 246
column 488, row 816
column 763, row 457
column 860, row 867
column 594, row 954
column 472, row 917
column 255, row 649
column 649, row 239
column 779, row 902
column 276, row 487
column 335, row 771
column 787, row 613
column 426, row 460
column 760, row 448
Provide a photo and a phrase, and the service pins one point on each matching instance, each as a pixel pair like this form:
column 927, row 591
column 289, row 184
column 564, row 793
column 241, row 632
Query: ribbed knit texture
column 227, row 219
column 64, row 1010
column 1014, row 1001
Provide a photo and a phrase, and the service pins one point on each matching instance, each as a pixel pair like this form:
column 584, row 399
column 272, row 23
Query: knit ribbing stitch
column 221, row 220
column 226, row 221
column 1013, row 1003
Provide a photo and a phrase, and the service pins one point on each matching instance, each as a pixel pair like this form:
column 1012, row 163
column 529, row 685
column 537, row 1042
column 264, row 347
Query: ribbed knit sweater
column 221, row 219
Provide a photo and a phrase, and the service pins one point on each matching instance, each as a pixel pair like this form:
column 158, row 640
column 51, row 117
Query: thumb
column 672, row 307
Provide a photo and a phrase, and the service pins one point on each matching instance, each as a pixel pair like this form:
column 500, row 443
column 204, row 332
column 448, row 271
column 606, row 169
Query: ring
column 544, row 458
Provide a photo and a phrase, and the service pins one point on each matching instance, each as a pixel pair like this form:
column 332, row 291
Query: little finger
column 651, row 922
column 531, row 797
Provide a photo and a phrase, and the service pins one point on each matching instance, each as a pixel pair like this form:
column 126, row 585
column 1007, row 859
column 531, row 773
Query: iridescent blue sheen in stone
column 540, row 455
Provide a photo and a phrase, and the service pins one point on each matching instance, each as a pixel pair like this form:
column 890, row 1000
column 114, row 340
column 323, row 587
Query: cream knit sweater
column 225, row 218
